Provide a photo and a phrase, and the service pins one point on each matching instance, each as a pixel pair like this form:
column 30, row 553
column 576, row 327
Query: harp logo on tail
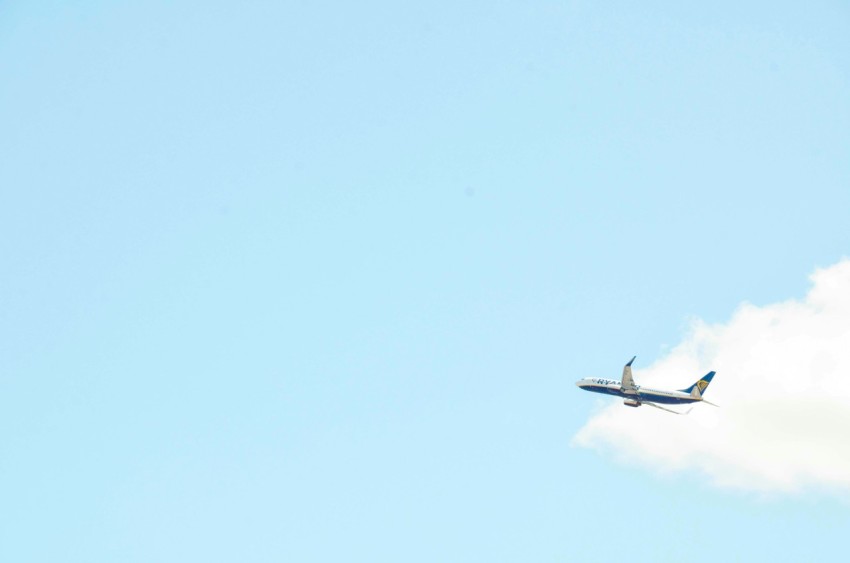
column 697, row 389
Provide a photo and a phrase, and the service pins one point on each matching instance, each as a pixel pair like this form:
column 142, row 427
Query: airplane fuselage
column 639, row 393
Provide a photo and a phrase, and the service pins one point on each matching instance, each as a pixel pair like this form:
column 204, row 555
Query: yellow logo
column 702, row 384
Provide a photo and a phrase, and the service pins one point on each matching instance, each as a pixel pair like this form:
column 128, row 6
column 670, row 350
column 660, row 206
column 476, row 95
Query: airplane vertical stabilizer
column 697, row 389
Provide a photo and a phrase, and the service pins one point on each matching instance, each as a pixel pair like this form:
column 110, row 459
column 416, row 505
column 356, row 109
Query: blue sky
column 308, row 281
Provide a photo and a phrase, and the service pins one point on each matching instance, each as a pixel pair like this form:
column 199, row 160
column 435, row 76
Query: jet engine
column 631, row 403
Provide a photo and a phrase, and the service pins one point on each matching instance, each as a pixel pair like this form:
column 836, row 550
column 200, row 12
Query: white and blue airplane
column 635, row 395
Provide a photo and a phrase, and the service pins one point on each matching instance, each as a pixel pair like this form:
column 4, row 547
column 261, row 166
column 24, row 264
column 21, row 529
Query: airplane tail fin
column 697, row 389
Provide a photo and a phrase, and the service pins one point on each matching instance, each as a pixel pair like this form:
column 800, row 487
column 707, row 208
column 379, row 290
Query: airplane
column 635, row 395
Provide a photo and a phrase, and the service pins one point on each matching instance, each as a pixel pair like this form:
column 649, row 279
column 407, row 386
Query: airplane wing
column 628, row 383
column 665, row 408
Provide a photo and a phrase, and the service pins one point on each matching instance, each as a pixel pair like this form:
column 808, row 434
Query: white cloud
column 783, row 383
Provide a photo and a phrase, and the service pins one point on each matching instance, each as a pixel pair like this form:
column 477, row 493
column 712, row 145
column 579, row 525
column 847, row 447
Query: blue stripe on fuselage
column 653, row 398
column 641, row 395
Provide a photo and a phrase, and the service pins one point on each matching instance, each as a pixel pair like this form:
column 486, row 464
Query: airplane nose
column 579, row 383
